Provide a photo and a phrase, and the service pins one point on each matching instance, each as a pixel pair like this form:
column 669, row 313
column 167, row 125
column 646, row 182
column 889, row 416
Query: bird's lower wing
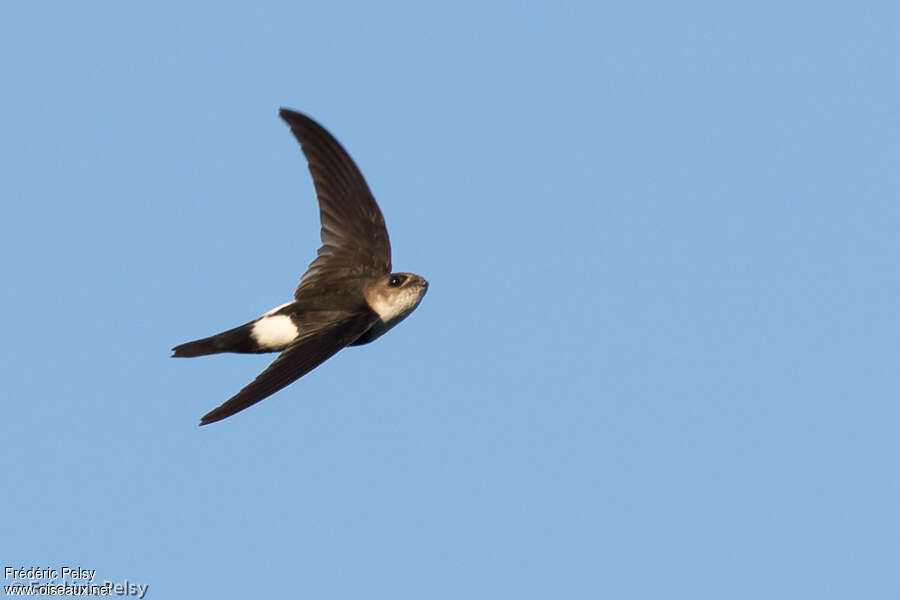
column 296, row 361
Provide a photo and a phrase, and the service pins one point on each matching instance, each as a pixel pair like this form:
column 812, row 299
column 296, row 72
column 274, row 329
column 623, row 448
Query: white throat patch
column 393, row 307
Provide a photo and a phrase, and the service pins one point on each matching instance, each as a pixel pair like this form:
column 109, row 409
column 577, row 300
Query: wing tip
column 217, row 414
column 290, row 116
column 209, row 418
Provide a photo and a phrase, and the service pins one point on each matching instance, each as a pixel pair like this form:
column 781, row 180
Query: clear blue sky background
column 659, row 355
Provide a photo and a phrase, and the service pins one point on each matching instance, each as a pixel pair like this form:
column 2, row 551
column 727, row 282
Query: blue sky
column 659, row 353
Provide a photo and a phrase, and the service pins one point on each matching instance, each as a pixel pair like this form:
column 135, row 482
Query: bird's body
column 348, row 295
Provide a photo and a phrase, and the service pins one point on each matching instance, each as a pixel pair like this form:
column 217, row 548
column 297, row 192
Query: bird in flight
column 348, row 295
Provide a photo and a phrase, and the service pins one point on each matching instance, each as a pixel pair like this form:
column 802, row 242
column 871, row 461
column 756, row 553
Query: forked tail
column 233, row 340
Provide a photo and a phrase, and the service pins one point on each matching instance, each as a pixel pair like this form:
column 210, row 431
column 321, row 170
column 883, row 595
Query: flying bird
column 348, row 295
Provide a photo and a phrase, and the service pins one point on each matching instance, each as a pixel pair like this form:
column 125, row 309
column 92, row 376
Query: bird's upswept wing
column 355, row 242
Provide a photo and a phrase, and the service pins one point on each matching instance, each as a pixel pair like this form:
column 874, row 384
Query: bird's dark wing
column 355, row 241
column 297, row 360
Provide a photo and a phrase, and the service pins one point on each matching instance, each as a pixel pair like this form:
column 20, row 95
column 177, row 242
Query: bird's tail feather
column 233, row 340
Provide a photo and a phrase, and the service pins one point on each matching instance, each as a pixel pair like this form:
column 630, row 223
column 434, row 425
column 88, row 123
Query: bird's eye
column 397, row 280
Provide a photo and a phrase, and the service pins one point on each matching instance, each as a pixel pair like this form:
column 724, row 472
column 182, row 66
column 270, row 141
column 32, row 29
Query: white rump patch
column 274, row 332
